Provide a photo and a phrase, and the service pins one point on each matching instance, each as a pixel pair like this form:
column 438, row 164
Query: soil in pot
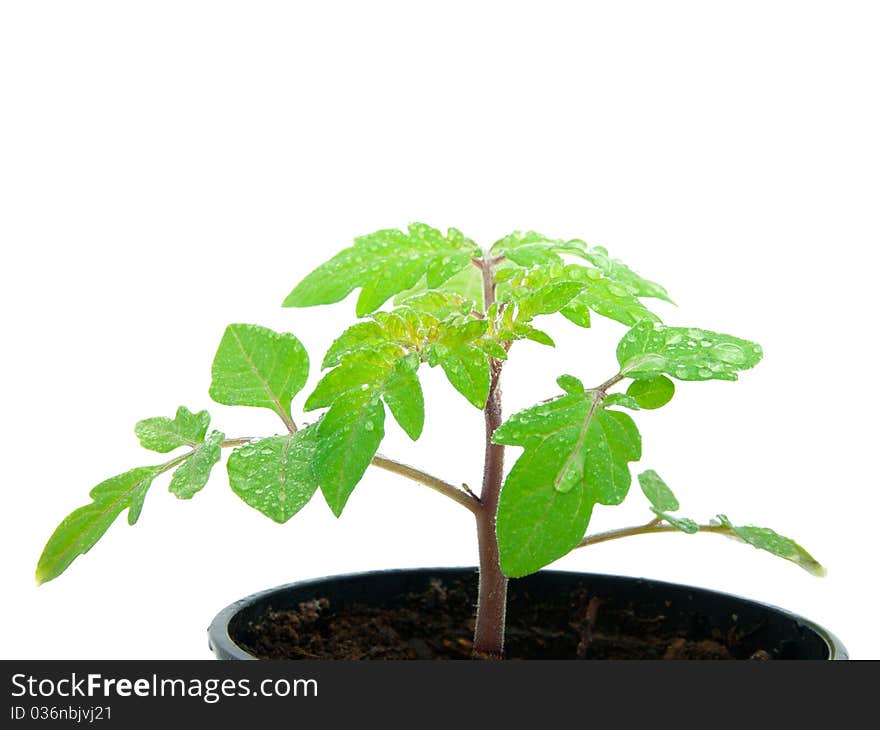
column 437, row 622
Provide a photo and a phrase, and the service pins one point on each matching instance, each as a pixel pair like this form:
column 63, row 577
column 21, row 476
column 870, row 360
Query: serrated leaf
column 83, row 527
column 527, row 332
column 616, row 270
column 684, row 524
column 608, row 298
column 440, row 304
column 349, row 435
column 685, row 353
column 193, row 474
column 360, row 336
column 276, row 475
column 255, row 366
column 575, row 455
column 548, row 299
column 364, row 371
column 570, row 384
column 652, row 392
column 766, row 539
column 383, row 264
column 533, row 249
column 467, row 369
column 492, row 348
column 165, row 434
column 657, row 491
column 403, row 396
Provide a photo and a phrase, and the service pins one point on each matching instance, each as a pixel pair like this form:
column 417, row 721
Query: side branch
column 464, row 498
column 459, row 495
column 654, row 526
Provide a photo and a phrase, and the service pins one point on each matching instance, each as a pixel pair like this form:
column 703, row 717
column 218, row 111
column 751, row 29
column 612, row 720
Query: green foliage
column 164, row 434
column 83, row 527
column 764, row 538
column 658, row 493
column 255, row 366
column 576, row 454
column 576, row 290
column 686, row 353
column 576, row 448
column 386, row 263
column 193, row 474
column 652, row 392
column 276, row 475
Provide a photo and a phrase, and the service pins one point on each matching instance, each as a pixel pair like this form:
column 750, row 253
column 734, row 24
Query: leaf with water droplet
column 255, row 366
column 276, row 475
column 656, row 490
column 617, row 271
column 683, row 524
column 193, row 474
column 467, row 369
column 403, row 396
column 570, row 384
column 82, row 528
column 349, row 435
column 650, row 349
column 652, row 393
column 575, row 455
column 384, row 264
column 165, row 434
column 766, row 539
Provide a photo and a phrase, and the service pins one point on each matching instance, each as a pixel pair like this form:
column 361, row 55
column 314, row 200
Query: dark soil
column 438, row 623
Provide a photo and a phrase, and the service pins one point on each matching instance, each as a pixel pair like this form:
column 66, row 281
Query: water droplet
column 673, row 340
column 368, row 425
column 706, row 343
column 705, row 373
column 729, row 352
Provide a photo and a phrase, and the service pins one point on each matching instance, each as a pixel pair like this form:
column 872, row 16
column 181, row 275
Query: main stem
column 492, row 591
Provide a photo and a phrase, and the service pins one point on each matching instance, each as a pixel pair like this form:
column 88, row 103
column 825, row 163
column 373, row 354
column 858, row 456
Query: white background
column 169, row 167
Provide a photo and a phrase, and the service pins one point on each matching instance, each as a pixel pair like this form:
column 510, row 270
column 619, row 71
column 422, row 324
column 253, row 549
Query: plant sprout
column 440, row 300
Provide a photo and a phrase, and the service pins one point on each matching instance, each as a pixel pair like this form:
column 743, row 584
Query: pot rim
column 219, row 640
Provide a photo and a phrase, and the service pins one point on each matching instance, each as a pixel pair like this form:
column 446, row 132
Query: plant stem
column 459, row 495
column 654, row 526
column 492, row 591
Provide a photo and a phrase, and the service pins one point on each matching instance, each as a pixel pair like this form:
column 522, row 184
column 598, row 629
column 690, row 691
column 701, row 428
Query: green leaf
column 616, row 270
column 570, row 384
column 403, row 396
column 193, row 474
column 764, row 538
column 255, row 366
column 440, row 304
column 576, row 454
column 606, row 297
column 83, row 527
column 467, row 368
column 577, row 312
column 548, row 299
column 658, row 493
column 386, row 263
column 164, row 434
column 686, row 353
column 349, row 435
column 276, row 475
column 653, row 392
column 679, row 523
column 623, row 400
column 360, row 336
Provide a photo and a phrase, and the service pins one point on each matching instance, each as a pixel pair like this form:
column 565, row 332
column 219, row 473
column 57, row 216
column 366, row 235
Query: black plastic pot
column 789, row 636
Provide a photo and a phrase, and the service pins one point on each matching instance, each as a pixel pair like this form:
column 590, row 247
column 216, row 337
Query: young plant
column 461, row 308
